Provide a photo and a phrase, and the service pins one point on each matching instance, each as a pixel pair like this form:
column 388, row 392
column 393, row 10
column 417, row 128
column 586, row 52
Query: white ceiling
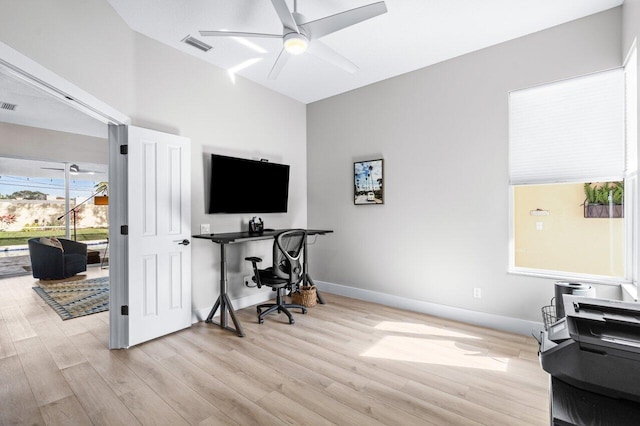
column 413, row 34
column 50, row 169
column 35, row 108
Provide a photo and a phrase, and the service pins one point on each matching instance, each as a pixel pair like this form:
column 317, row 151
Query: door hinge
column 124, row 149
column 124, row 230
column 124, row 310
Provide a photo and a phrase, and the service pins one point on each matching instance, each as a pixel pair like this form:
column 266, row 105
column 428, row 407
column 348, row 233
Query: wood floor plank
column 218, row 393
column 18, row 406
column 17, row 324
column 97, row 399
column 46, row 380
column 459, row 405
column 291, row 412
column 191, row 406
column 382, row 412
column 61, row 348
column 6, row 342
column 225, row 369
column 429, row 411
column 33, row 311
column 107, row 364
column 65, row 411
column 348, row 362
column 150, row 409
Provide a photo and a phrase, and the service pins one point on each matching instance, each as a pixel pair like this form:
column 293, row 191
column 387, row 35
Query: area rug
column 76, row 298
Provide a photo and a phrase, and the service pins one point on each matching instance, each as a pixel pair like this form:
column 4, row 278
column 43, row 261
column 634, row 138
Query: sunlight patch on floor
column 416, row 328
column 440, row 352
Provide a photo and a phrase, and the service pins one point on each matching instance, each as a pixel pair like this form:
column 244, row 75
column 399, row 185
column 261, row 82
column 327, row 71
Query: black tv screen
column 247, row 186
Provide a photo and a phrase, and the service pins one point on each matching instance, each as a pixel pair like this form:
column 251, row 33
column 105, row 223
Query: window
column 571, row 181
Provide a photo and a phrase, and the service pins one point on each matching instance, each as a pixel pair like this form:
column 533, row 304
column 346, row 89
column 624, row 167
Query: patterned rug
column 76, row 298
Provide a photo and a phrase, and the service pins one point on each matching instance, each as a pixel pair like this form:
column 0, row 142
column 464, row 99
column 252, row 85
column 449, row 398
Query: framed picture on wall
column 368, row 182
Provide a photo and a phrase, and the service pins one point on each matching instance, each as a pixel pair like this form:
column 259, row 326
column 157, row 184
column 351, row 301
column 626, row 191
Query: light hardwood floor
column 348, row 362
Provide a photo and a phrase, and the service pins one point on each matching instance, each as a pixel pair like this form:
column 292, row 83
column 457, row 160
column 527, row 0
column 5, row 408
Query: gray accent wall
column 443, row 134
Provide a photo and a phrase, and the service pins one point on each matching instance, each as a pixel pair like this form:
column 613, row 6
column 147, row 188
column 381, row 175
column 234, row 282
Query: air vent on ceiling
column 196, row 43
column 8, row 106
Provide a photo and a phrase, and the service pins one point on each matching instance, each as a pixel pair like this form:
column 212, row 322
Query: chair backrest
column 287, row 254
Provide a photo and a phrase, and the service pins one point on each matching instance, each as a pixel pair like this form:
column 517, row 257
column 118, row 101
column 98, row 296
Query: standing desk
column 223, row 302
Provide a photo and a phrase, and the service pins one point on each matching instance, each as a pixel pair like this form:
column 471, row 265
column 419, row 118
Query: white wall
column 160, row 88
column 36, row 144
column 443, row 134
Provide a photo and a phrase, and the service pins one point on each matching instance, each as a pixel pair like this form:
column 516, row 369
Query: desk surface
column 231, row 237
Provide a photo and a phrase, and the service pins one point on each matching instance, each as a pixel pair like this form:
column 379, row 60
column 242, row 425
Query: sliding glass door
column 39, row 198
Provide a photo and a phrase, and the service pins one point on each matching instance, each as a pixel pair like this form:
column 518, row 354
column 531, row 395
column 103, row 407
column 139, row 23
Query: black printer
column 593, row 357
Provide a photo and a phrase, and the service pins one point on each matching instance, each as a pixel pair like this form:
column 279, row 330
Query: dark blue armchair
column 51, row 263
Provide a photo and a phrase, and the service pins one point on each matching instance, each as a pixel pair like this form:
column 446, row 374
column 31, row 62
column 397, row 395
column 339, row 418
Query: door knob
column 184, row 242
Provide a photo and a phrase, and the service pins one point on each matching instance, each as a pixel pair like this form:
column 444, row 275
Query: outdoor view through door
column 35, row 199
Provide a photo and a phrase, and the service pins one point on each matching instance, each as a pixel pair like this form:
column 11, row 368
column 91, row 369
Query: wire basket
column 549, row 314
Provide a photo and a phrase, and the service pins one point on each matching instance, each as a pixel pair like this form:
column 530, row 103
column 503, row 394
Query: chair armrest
column 73, row 247
column 46, row 261
column 256, row 274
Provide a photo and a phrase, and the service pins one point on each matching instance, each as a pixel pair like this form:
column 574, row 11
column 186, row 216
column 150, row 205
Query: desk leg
column 223, row 301
column 305, row 274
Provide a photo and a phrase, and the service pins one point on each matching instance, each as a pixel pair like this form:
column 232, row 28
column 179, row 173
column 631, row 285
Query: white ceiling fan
column 74, row 169
column 300, row 36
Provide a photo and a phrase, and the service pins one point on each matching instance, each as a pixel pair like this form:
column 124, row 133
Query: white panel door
column 159, row 212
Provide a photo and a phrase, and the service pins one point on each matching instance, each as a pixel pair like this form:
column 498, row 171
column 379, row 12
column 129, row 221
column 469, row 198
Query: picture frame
column 368, row 182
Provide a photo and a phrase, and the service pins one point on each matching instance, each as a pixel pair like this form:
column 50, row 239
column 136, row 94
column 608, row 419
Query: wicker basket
column 305, row 296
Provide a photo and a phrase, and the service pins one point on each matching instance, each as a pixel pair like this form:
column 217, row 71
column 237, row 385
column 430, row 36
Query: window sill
column 629, row 291
column 557, row 276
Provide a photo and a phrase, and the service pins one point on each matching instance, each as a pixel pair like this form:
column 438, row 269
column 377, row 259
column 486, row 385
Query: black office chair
column 286, row 272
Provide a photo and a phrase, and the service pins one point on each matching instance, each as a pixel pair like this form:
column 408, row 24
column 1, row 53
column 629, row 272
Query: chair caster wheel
column 291, row 321
column 259, row 311
column 304, row 311
column 260, row 321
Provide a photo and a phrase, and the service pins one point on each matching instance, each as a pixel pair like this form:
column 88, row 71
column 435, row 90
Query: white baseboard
column 240, row 303
column 498, row 322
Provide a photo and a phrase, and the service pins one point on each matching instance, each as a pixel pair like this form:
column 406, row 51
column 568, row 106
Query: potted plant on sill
column 604, row 200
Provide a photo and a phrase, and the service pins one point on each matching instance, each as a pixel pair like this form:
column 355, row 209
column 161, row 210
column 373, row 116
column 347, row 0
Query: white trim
column 630, row 52
column 241, row 303
column 498, row 322
column 629, row 291
column 32, row 73
column 566, row 276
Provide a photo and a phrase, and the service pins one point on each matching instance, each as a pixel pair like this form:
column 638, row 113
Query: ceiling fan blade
column 283, row 58
column 236, row 34
column 330, row 24
column 52, row 168
column 327, row 54
column 285, row 15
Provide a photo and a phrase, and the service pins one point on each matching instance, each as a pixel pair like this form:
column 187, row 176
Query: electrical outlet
column 205, row 228
column 248, row 281
column 477, row 292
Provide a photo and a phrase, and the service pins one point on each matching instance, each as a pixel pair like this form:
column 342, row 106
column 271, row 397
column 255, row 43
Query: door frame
column 23, row 68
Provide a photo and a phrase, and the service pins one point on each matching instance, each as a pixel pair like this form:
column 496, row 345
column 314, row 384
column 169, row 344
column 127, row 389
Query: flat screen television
column 247, row 186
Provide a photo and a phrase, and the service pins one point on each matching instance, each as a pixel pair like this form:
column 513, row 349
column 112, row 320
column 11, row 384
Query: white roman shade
column 568, row 131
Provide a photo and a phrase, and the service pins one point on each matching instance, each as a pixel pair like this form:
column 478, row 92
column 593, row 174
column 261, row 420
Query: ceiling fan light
column 295, row 43
column 74, row 169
